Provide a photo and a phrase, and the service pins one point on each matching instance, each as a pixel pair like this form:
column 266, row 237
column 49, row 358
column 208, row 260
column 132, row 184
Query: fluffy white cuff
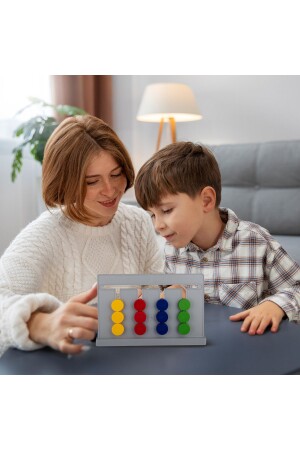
column 19, row 314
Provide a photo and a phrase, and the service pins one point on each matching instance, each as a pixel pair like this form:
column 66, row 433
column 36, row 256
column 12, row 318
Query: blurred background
column 234, row 109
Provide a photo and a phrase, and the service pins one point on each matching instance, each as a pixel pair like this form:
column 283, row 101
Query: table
column 228, row 352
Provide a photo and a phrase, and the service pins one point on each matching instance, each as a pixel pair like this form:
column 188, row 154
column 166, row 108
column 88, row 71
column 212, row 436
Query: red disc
column 140, row 316
column 139, row 304
column 140, row 329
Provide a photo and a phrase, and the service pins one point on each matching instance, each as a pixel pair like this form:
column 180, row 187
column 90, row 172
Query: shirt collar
column 225, row 241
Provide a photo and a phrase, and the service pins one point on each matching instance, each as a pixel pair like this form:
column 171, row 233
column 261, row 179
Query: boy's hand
column 258, row 318
column 174, row 286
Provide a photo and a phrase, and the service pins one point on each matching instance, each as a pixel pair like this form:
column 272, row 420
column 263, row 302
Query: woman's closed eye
column 115, row 175
column 90, row 183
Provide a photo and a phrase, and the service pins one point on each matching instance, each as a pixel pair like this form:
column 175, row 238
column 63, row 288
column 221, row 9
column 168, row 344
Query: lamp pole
column 172, row 124
column 161, row 126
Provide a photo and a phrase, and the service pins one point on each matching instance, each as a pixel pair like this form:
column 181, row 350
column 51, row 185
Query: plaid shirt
column 246, row 266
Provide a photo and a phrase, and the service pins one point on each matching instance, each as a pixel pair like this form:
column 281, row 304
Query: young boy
column 242, row 264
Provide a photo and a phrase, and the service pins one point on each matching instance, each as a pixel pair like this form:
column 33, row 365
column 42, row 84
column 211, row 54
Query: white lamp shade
column 166, row 100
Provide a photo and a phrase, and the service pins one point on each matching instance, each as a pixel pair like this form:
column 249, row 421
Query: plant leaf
column 36, row 100
column 34, row 126
column 21, row 145
column 36, row 131
column 49, row 127
column 25, row 127
column 68, row 110
column 37, row 150
column 17, row 163
column 18, row 131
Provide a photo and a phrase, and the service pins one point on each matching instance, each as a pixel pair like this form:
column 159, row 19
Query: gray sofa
column 261, row 183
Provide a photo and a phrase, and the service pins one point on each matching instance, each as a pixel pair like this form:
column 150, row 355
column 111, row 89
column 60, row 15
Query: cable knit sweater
column 55, row 258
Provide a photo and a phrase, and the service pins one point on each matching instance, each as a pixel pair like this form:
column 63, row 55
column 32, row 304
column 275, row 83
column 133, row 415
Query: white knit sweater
column 55, row 258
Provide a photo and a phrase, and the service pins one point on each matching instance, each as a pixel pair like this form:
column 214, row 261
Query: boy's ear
column 208, row 197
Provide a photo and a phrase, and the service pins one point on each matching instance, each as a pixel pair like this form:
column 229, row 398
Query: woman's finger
column 79, row 309
column 80, row 333
column 87, row 323
column 85, row 297
column 66, row 346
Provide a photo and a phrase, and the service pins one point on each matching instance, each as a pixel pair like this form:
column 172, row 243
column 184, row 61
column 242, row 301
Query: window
column 14, row 93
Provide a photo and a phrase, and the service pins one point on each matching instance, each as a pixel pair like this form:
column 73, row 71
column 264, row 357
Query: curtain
column 93, row 93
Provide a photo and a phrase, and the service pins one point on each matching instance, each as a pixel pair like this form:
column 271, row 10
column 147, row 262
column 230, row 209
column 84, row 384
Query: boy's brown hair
column 182, row 167
column 68, row 152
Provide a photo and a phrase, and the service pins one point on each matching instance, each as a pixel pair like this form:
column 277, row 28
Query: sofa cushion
column 261, row 183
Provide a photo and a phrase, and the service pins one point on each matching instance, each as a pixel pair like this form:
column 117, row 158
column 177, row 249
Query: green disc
column 184, row 304
column 183, row 316
column 183, row 328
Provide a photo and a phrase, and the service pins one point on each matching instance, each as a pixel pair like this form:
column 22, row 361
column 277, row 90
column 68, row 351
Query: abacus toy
column 132, row 311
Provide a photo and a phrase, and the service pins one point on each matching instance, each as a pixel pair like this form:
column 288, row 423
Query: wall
column 20, row 202
column 235, row 109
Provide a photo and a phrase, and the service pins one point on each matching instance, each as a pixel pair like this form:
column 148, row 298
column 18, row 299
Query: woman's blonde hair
column 68, row 152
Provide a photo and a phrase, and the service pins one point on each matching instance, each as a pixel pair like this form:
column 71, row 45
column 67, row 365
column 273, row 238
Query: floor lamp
column 168, row 102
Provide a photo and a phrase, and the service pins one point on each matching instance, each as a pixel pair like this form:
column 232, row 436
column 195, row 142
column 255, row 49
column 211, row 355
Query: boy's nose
column 159, row 225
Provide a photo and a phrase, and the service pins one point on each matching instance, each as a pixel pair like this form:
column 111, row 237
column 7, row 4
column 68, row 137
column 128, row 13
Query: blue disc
column 161, row 316
column 162, row 304
column 162, row 328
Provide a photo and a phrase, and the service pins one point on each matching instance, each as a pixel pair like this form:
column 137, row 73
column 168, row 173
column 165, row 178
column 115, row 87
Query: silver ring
column 70, row 333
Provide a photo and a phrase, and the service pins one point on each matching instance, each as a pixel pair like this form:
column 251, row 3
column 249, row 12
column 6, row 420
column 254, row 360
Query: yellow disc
column 117, row 317
column 117, row 329
column 117, row 305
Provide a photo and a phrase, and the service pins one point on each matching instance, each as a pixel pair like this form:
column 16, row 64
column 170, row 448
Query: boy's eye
column 168, row 211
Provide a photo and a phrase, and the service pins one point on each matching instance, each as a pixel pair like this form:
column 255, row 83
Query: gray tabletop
column 228, row 351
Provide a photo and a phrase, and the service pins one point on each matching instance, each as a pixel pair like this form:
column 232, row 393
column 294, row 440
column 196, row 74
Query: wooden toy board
column 156, row 324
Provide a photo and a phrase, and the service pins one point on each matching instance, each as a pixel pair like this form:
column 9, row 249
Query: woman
column 47, row 272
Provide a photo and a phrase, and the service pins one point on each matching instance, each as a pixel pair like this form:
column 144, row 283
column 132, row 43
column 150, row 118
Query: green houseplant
column 35, row 132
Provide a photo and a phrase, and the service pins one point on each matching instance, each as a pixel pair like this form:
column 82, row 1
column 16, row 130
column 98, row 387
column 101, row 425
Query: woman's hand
column 258, row 318
column 73, row 320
